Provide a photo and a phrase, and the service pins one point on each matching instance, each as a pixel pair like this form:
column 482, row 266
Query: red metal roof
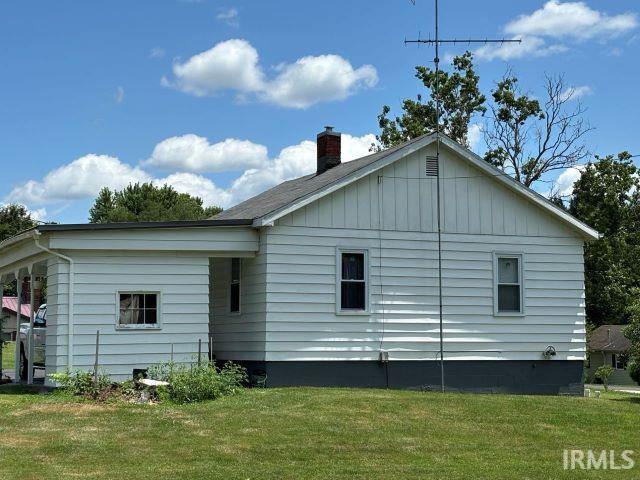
column 11, row 304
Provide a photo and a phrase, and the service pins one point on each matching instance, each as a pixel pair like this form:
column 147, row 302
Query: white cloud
column 156, row 52
column 530, row 46
column 39, row 214
column 234, row 65
column 198, row 186
column 555, row 20
column 229, row 16
column 571, row 19
column 292, row 162
column 474, row 136
column 565, row 181
column 195, row 154
column 81, row 178
column 119, row 95
column 574, row 93
column 318, row 79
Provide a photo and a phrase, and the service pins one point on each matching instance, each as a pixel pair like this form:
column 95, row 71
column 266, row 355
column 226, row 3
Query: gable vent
column 431, row 166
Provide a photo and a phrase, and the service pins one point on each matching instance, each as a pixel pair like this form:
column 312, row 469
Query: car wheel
column 24, row 367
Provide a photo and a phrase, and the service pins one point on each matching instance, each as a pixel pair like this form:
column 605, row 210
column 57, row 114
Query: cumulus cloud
column 228, row 16
column 318, row 79
column 565, row 181
column 571, row 19
column 82, row 178
column 195, row 154
column 555, row 21
column 474, row 136
column 234, row 65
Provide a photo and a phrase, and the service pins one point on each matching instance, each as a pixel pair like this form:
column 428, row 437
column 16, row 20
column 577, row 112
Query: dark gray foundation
column 550, row 377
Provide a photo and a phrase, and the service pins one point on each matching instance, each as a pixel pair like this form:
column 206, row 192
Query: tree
column 460, row 99
column 632, row 332
column 527, row 139
column 14, row 218
column 606, row 197
column 146, row 202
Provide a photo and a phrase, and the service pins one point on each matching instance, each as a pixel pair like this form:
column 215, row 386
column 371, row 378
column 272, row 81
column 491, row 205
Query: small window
column 234, row 300
column 618, row 361
column 508, row 288
column 353, row 283
column 138, row 310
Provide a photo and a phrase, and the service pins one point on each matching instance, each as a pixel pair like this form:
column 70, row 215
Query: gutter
column 69, row 260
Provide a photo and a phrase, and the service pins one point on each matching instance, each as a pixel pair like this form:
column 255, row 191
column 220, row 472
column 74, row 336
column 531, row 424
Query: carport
column 24, row 258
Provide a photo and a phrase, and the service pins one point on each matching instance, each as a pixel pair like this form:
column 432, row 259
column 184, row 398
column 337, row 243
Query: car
column 39, row 337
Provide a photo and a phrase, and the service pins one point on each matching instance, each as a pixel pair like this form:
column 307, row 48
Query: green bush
column 634, row 370
column 603, row 372
column 80, row 382
column 195, row 383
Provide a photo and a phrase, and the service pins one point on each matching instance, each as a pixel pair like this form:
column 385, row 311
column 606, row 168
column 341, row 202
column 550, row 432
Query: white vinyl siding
column 480, row 217
column 182, row 281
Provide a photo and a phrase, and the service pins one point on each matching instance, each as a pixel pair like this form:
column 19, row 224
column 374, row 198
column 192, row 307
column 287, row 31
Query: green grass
column 314, row 433
column 8, row 355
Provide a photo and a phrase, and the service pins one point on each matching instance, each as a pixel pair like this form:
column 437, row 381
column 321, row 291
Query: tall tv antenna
column 436, row 42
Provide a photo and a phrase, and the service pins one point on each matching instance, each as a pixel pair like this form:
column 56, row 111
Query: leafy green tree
column 632, row 332
column 142, row 202
column 14, row 218
column 460, row 99
column 606, row 197
column 603, row 372
column 528, row 139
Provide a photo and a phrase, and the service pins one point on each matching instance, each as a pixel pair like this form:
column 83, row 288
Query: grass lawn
column 314, row 433
column 8, row 355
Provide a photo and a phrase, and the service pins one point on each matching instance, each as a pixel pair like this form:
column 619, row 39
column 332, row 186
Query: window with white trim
column 138, row 309
column 234, row 288
column 618, row 361
column 508, row 284
column 352, row 288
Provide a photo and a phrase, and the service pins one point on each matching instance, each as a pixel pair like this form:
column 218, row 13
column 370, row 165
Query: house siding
column 182, row 280
column 394, row 217
column 238, row 336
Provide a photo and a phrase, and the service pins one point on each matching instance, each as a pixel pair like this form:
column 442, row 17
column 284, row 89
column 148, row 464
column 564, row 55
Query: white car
column 39, row 336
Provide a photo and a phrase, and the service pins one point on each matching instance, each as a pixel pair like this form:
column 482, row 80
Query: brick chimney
column 328, row 149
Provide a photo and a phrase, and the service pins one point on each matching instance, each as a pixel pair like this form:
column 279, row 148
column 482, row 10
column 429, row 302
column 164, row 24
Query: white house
column 321, row 279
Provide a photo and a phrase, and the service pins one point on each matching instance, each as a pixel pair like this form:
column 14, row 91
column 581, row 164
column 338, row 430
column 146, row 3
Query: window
column 138, row 310
column 352, row 285
column 508, row 284
column 618, row 361
column 234, row 299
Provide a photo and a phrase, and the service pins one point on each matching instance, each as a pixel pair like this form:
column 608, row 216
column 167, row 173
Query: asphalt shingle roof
column 292, row 190
column 609, row 338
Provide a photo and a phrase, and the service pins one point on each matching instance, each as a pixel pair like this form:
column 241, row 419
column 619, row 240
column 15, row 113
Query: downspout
column 36, row 235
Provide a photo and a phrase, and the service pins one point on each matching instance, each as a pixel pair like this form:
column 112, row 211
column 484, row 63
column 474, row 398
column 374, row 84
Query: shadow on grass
column 630, row 399
column 21, row 389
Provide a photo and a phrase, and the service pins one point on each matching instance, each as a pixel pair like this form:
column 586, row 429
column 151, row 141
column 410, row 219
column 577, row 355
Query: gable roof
column 265, row 208
column 609, row 338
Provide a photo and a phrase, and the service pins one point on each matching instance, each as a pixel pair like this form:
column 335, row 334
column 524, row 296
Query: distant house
column 8, row 316
column 333, row 279
column 609, row 346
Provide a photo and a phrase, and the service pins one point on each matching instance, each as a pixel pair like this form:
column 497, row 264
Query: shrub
column 603, row 372
column 80, row 382
column 634, row 370
column 195, row 383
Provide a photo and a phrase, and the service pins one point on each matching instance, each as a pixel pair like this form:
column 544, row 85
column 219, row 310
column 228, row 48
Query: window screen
column 353, row 285
column 139, row 309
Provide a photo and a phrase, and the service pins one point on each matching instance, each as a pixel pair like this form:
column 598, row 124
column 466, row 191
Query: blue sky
column 223, row 99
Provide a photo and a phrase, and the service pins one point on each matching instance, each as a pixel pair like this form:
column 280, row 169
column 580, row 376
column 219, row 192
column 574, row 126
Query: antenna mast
column 436, row 42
